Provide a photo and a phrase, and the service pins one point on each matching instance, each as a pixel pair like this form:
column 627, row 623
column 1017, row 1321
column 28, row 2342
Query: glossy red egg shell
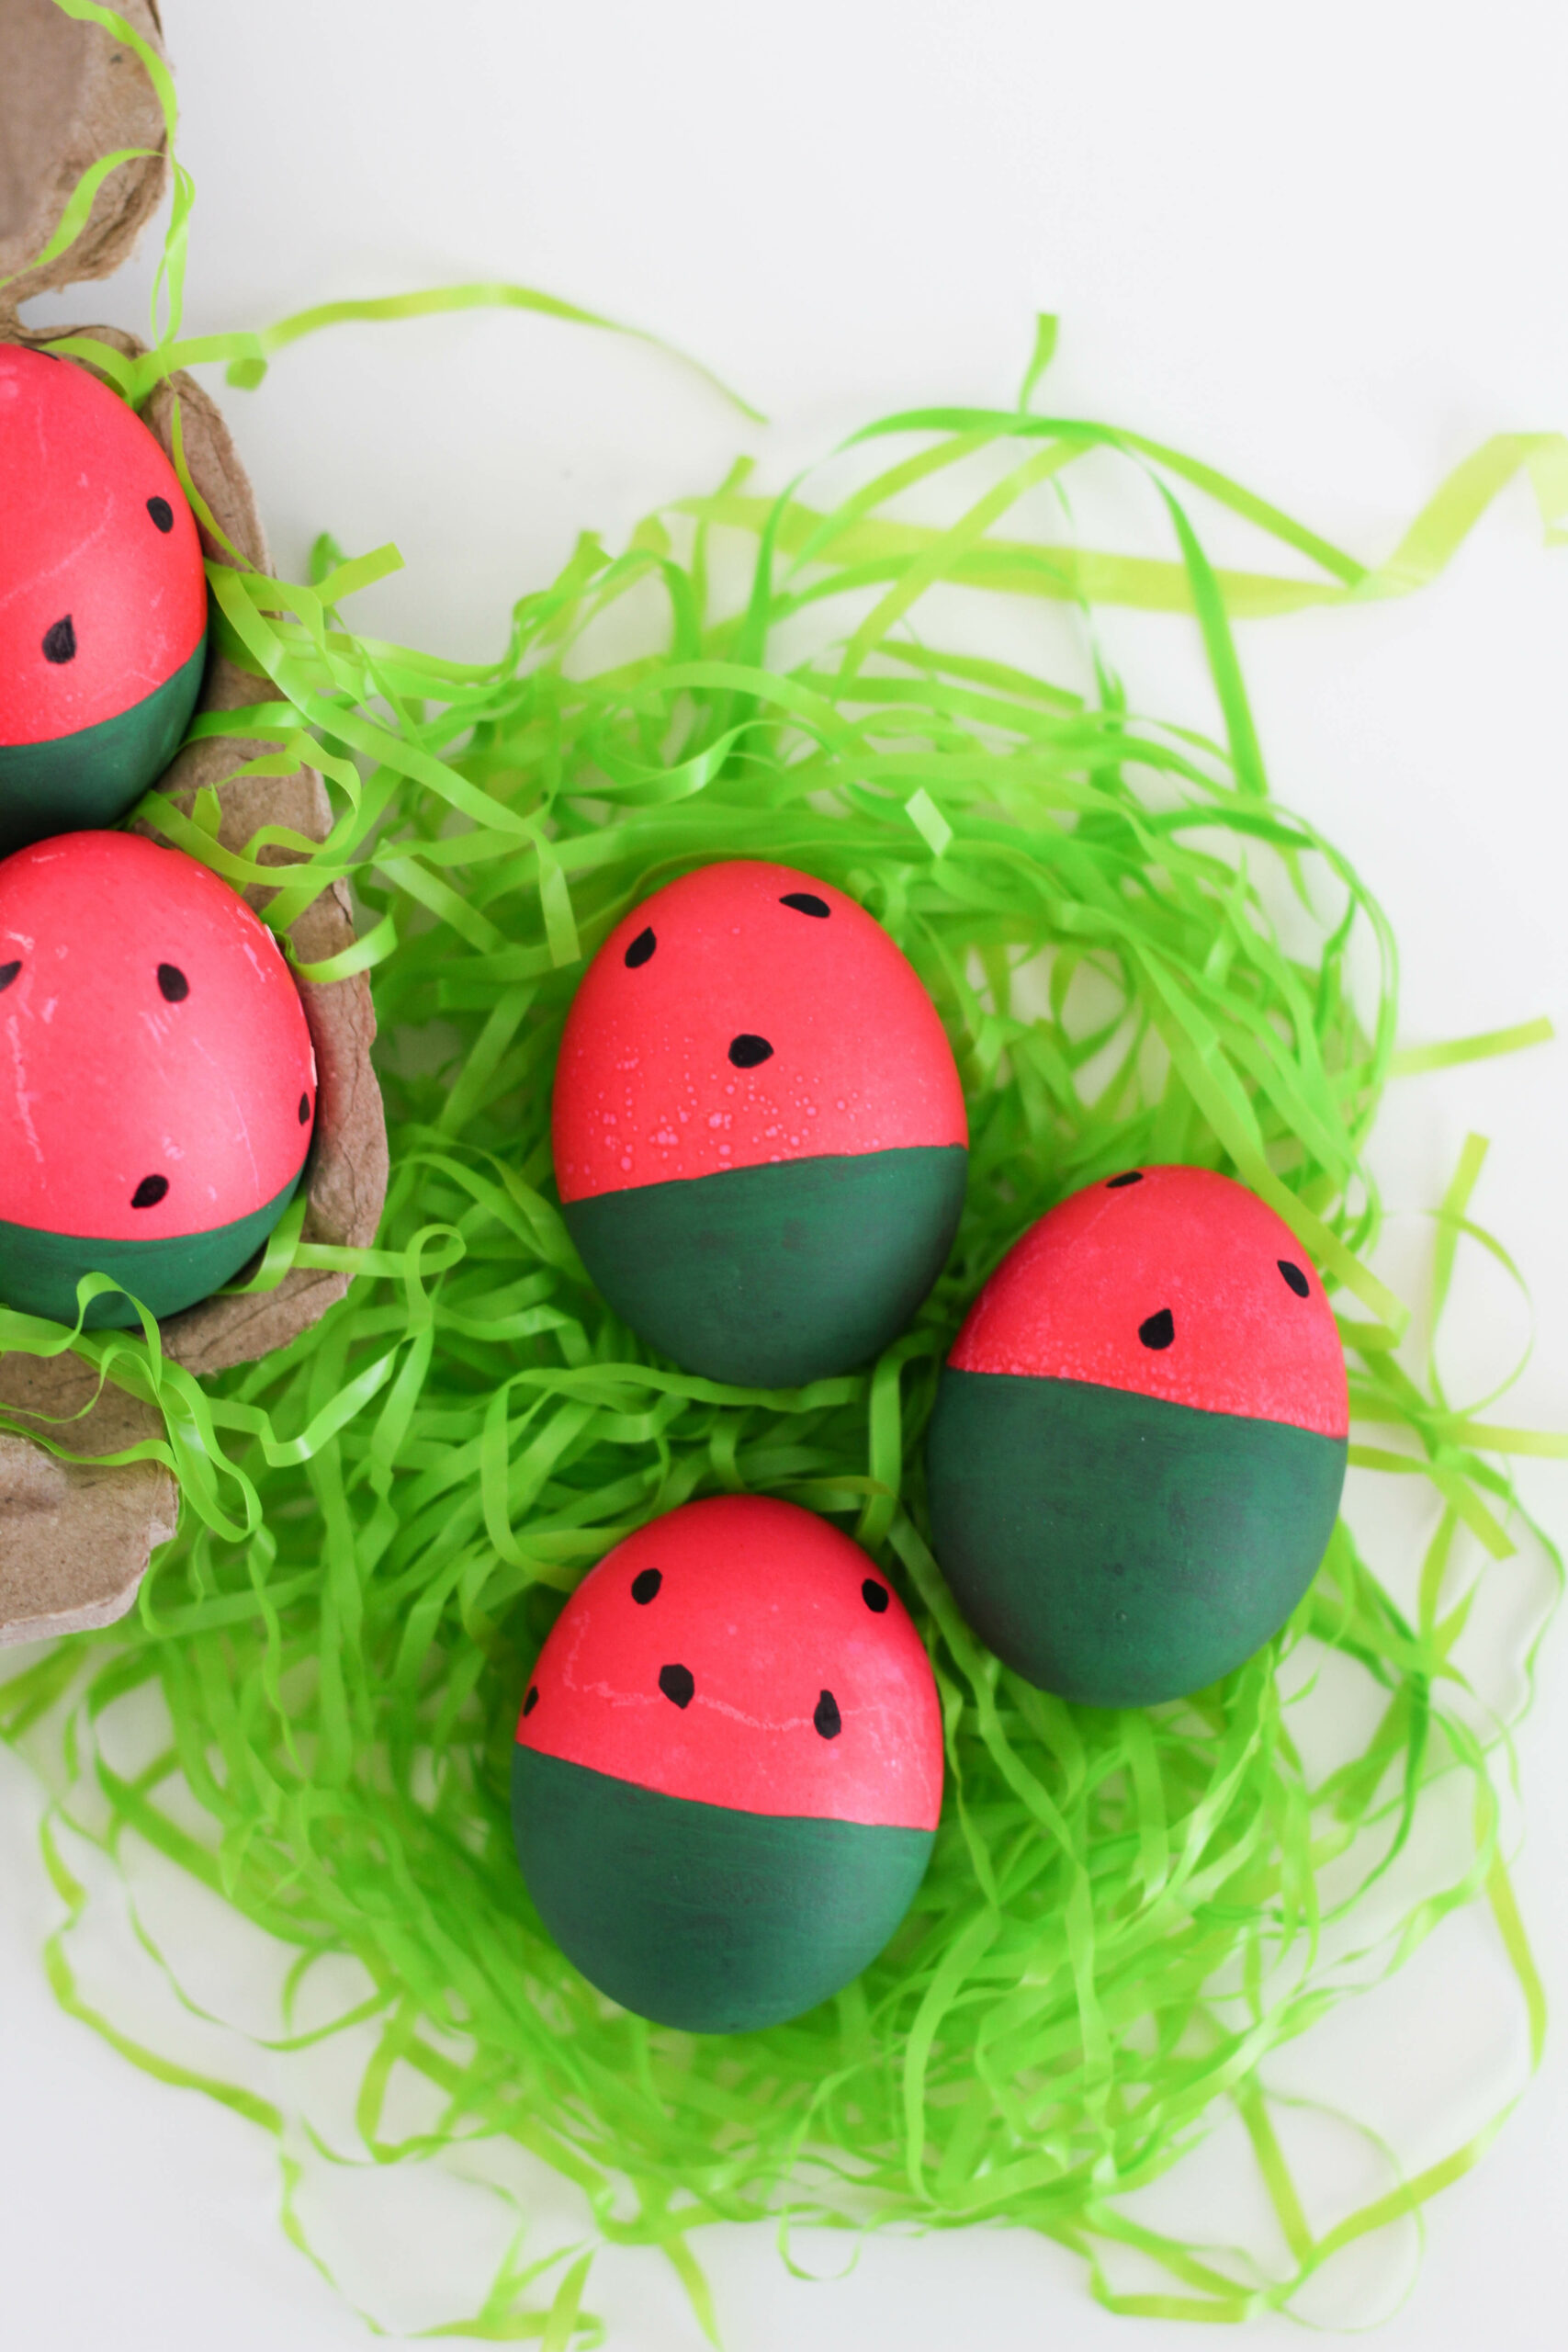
column 645, row 1087
column 79, row 542
column 764, row 1608
column 104, row 1082
column 1070, row 1301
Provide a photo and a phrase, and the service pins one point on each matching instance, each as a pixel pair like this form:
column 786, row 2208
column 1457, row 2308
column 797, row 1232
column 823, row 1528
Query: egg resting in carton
column 75, row 1536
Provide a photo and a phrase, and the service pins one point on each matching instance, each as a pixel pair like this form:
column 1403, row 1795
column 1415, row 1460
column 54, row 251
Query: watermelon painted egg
column 759, row 1133
column 728, row 1766
column 1139, row 1442
column 160, row 1085
column 103, row 602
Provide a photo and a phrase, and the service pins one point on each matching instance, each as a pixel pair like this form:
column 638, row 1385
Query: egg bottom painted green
column 38, row 1271
column 83, row 782
column 1118, row 1549
column 702, row 1916
column 769, row 1277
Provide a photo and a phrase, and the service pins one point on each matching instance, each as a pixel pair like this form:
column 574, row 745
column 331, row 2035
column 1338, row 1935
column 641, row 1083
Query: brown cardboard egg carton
column 75, row 1537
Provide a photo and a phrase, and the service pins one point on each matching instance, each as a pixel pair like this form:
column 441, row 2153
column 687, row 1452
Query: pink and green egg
column 759, row 1133
column 1140, row 1437
column 728, row 1766
column 159, row 1080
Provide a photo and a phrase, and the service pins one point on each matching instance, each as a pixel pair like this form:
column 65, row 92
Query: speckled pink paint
column 646, row 1090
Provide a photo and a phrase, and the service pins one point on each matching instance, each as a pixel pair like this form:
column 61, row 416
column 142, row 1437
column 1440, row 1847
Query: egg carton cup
column 77, row 1536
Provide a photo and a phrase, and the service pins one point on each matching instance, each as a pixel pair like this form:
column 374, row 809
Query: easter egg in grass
column 1139, row 1442
column 160, row 1085
column 728, row 1766
column 103, row 602
column 759, row 1133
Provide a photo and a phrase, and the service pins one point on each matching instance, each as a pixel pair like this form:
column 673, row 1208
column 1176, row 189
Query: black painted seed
column 676, row 1683
column 60, row 641
column 874, row 1595
column 163, row 514
column 828, row 1720
column 173, row 984
column 149, row 1192
column 641, row 949
column 532, row 1701
column 746, row 1051
column 1295, row 1277
column 1159, row 1330
column 304, row 1109
column 806, row 902
column 645, row 1584
column 8, row 972
column 1134, row 1176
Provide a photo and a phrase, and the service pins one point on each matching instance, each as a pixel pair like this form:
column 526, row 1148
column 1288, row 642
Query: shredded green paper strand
column 1127, row 1914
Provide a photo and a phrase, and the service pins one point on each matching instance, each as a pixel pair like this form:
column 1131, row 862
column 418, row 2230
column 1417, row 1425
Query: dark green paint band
column 80, row 783
column 770, row 1277
column 38, row 1271
column 1115, row 1548
column 699, row 1916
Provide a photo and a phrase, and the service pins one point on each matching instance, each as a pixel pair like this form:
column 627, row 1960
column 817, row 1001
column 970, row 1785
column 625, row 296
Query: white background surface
column 1320, row 248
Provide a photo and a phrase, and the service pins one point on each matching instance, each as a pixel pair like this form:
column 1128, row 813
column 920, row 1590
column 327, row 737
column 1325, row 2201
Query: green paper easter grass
column 1127, row 1914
